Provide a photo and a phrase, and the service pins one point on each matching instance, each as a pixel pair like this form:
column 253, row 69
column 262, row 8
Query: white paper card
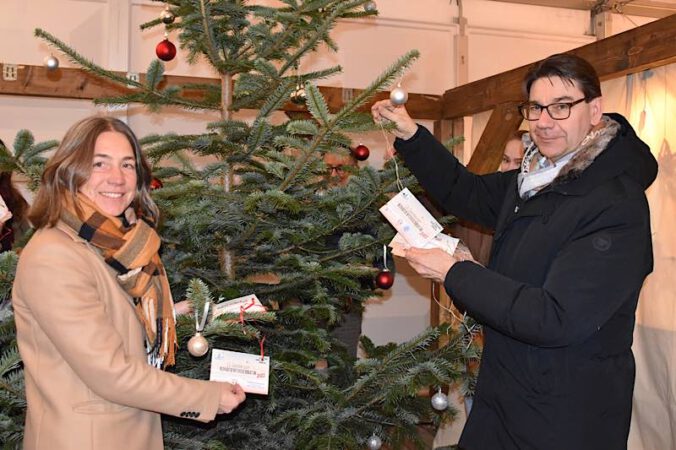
column 247, row 304
column 443, row 241
column 249, row 371
column 410, row 218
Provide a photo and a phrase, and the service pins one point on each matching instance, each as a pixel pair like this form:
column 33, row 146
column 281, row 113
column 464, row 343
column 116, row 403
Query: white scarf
column 544, row 170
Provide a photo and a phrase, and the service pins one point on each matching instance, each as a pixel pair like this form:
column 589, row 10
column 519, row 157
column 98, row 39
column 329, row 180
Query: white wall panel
column 494, row 51
column 82, row 24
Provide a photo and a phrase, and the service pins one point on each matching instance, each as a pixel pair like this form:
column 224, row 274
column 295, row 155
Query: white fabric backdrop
column 647, row 100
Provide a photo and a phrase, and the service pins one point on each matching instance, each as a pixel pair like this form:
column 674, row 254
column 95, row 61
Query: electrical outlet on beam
column 10, row 72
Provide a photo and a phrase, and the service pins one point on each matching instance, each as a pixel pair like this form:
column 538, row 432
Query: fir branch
column 316, row 104
column 212, row 52
column 99, row 71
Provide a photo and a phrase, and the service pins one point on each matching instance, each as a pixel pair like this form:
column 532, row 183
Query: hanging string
column 200, row 324
column 449, row 310
column 261, row 342
column 400, row 185
column 241, row 313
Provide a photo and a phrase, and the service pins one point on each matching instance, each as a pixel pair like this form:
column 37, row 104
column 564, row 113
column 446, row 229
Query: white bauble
column 398, row 96
column 198, row 345
column 374, row 442
column 439, row 401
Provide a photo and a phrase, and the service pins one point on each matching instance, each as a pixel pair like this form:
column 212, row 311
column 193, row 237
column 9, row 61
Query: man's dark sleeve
column 601, row 268
column 449, row 183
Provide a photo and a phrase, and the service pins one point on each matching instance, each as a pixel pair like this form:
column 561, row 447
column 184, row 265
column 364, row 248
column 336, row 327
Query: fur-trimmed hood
column 596, row 142
column 616, row 149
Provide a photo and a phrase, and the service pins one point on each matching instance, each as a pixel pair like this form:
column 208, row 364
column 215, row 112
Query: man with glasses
column 572, row 248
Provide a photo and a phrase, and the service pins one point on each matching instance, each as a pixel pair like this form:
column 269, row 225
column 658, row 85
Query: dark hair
column 16, row 204
column 71, row 165
column 569, row 68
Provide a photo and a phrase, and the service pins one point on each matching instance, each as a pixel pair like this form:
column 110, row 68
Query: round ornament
column 198, row 345
column 51, row 63
column 370, row 6
column 165, row 50
column 361, row 152
column 385, row 279
column 374, row 442
column 155, row 183
column 439, row 401
column 398, row 96
column 298, row 96
column 167, row 17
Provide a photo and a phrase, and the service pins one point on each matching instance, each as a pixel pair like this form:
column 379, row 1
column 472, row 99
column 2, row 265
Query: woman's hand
column 231, row 396
column 182, row 308
column 432, row 263
column 385, row 110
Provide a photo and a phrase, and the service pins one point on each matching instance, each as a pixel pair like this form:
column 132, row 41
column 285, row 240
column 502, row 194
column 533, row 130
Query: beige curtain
column 647, row 100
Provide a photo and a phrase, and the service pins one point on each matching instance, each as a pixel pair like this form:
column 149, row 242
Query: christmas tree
column 260, row 218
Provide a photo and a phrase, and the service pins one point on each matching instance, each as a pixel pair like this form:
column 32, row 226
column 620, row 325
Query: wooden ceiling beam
column 644, row 47
column 505, row 120
column 644, row 8
column 75, row 83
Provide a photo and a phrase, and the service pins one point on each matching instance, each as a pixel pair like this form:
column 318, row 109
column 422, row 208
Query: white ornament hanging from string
column 439, row 401
column 198, row 345
column 398, row 96
column 167, row 17
column 51, row 63
column 374, row 442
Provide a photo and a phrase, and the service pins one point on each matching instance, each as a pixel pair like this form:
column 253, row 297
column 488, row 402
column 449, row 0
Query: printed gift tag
column 248, row 303
column 443, row 241
column 249, row 371
column 410, row 218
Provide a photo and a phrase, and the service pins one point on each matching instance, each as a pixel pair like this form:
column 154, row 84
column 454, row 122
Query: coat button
column 516, row 209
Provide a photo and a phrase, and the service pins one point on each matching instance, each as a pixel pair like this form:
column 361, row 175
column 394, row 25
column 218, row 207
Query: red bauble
column 155, row 183
column 165, row 50
column 385, row 279
column 360, row 152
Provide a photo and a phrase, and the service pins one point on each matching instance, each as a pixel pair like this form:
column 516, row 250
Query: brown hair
column 71, row 165
column 569, row 68
column 517, row 135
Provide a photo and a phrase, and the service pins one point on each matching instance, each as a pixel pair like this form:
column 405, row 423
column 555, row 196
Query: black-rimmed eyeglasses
column 557, row 111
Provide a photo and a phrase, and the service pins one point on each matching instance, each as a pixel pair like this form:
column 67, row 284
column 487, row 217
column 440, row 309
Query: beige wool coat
column 88, row 384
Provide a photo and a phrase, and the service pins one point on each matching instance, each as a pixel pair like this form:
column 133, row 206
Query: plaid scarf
column 132, row 250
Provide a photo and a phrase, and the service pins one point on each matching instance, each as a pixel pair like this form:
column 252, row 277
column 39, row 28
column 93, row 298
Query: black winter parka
column 558, row 297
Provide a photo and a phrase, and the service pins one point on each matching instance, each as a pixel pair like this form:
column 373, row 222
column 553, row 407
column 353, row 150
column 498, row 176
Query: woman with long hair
column 94, row 314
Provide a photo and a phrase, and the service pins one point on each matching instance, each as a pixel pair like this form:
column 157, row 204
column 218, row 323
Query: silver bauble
column 198, row 345
column 51, row 63
column 398, row 96
column 374, row 442
column 370, row 6
column 439, row 401
column 167, row 17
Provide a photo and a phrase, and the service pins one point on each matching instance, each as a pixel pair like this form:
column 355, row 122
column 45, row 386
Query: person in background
column 15, row 226
column 512, row 155
column 93, row 310
column 572, row 248
column 339, row 168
